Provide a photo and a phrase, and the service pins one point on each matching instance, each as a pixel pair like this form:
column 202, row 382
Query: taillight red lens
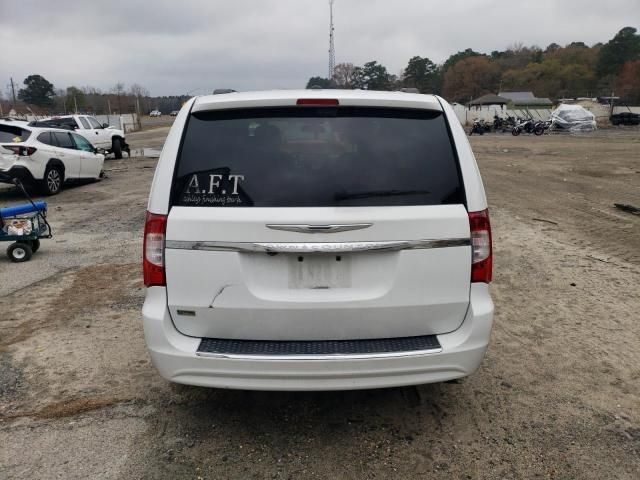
column 317, row 101
column 481, row 248
column 21, row 150
column 153, row 250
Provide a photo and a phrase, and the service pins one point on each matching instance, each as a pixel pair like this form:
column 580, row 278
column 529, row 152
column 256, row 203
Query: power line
column 332, row 49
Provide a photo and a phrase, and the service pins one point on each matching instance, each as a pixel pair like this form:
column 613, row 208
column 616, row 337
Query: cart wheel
column 35, row 245
column 19, row 252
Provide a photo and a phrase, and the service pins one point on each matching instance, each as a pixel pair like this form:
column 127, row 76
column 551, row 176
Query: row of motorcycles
column 516, row 125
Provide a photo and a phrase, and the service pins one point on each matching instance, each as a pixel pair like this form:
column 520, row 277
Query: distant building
column 525, row 100
column 489, row 99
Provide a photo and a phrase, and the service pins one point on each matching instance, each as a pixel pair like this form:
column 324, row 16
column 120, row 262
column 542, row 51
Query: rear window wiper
column 378, row 193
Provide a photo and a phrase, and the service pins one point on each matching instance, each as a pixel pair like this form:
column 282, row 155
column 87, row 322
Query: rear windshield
column 12, row 134
column 316, row 157
column 68, row 123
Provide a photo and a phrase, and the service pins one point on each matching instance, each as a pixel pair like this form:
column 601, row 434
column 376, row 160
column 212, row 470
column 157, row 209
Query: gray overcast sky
column 178, row 46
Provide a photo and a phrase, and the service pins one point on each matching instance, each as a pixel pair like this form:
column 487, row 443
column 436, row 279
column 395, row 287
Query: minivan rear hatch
column 317, row 223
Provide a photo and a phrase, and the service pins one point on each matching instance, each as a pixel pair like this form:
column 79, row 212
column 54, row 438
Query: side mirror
column 105, row 125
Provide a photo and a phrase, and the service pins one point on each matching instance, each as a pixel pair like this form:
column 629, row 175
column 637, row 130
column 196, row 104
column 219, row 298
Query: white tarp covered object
column 573, row 118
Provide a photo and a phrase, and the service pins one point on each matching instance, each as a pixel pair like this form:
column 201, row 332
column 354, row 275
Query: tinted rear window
column 46, row 139
column 63, row 140
column 11, row 134
column 317, row 157
column 60, row 122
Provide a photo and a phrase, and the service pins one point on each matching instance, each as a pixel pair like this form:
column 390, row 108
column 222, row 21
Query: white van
column 317, row 240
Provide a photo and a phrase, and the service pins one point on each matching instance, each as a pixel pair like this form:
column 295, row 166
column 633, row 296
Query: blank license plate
column 319, row 271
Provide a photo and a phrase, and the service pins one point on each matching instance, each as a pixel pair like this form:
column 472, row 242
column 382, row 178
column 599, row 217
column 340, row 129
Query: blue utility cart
column 24, row 225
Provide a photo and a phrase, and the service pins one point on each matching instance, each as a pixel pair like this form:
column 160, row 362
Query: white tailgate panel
column 314, row 296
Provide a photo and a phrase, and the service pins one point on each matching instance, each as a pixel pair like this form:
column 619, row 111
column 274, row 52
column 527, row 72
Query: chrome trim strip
column 337, row 356
column 331, row 228
column 317, row 247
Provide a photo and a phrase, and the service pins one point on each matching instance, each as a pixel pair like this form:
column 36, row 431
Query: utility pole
column 138, row 120
column 75, row 104
column 332, row 49
column 13, row 93
column 613, row 99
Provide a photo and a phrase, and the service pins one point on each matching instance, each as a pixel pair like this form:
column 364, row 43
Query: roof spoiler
column 220, row 91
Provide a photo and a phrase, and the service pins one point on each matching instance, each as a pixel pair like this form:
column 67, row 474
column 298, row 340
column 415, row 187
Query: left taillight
column 21, row 150
column 155, row 227
column 481, row 247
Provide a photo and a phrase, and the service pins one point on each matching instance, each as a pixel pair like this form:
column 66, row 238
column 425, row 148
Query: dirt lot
column 558, row 395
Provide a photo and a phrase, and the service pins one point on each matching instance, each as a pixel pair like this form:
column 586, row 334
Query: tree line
column 570, row 71
column 39, row 96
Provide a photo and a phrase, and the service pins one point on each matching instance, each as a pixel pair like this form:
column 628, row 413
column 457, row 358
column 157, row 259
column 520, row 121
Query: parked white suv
column 101, row 136
column 317, row 240
column 46, row 157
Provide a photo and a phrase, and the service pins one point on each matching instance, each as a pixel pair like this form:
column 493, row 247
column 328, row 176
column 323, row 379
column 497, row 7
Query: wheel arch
column 56, row 162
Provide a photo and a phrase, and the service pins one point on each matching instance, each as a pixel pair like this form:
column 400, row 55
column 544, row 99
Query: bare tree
column 343, row 75
column 516, row 47
column 89, row 90
column 138, row 90
column 118, row 89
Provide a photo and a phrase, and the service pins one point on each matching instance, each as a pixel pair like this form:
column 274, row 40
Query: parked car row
column 47, row 155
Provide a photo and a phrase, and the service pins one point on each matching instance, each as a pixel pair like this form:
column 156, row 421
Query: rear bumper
column 19, row 172
column 174, row 355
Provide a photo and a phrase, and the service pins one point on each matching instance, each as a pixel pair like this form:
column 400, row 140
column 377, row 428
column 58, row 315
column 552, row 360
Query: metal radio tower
column 332, row 49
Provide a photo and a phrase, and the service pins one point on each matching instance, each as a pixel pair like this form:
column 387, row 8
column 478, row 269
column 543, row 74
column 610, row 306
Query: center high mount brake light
column 317, row 101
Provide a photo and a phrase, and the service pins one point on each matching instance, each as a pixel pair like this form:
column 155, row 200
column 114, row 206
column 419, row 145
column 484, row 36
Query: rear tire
column 19, row 252
column 116, row 148
column 53, row 179
column 515, row 131
column 538, row 131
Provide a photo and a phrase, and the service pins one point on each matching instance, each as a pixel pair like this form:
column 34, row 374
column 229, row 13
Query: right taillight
column 481, row 250
column 153, row 250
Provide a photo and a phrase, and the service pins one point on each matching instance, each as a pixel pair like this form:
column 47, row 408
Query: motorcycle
column 477, row 127
column 524, row 125
column 540, row 127
column 503, row 124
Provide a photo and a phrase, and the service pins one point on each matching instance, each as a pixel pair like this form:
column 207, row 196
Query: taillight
column 317, row 101
column 481, row 249
column 153, row 250
column 21, row 150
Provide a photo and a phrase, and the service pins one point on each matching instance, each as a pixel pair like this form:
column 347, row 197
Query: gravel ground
column 558, row 395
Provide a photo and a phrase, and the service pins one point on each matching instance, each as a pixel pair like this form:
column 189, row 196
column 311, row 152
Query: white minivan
column 317, row 240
